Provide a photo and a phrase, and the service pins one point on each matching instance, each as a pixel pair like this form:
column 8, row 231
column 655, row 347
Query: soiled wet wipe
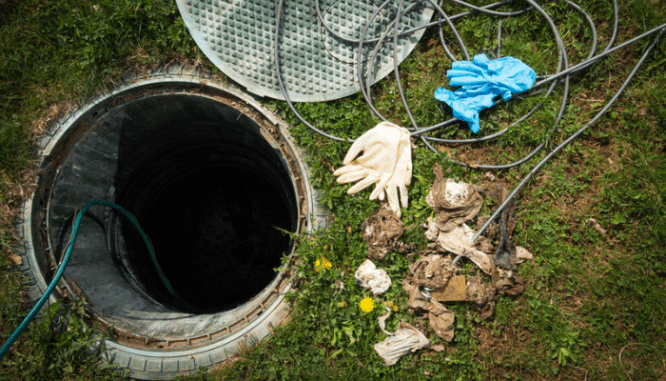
column 417, row 301
column 459, row 241
column 441, row 320
column 482, row 295
column 453, row 203
column 381, row 232
column 370, row 277
column 431, row 270
column 406, row 339
column 507, row 283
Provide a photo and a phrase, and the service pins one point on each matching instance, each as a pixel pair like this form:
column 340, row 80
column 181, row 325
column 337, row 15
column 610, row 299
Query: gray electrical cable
column 499, row 38
column 488, row 11
column 585, row 64
column 593, row 28
column 366, row 95
column 455, row 33
column 320, row 16
column 563, row 68
column 406, row 32
column 570, row 139
column 416, row 132
column 561, row 60
column 276, row 56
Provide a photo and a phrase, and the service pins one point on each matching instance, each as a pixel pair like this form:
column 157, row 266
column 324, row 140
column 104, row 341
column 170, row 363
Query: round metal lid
column 238, row 37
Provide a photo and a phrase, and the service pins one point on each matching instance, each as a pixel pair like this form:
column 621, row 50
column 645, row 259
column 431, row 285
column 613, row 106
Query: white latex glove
column 386, row 162
column 402, row 176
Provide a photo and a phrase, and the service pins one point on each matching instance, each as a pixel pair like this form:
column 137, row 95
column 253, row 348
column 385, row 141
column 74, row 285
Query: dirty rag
column 482, row 80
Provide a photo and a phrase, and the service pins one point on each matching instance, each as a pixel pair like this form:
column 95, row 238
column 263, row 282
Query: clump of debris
column 433, row 277
column 382, row 231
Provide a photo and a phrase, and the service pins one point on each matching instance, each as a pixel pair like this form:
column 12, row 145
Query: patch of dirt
column 494, row 346
column 475, row 154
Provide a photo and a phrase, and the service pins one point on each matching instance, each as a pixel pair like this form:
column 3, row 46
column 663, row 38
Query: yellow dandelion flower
column 349, row 229
column 395, row 308
column 367, row 304
column 322, row 263
column 342, row 304
column 389, row 304
column 325, row 247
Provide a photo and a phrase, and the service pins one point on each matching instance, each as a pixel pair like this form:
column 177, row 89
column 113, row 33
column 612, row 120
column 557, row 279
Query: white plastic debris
column 386, row 161
column 370, row 277
column 406, row 339
column 433, row 232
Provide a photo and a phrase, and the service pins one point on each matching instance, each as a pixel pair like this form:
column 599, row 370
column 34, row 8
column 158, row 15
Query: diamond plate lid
column 238, row 37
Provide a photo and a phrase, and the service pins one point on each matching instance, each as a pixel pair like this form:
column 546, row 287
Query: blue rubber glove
column 481, row 81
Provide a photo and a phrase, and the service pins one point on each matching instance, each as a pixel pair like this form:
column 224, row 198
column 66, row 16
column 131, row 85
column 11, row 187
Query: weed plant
column 594, row 217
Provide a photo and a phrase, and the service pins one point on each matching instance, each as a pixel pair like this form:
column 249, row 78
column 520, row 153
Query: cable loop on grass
column 663, row 361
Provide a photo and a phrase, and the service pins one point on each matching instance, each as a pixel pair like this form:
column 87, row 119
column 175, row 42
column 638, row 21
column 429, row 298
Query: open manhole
column 215, row 181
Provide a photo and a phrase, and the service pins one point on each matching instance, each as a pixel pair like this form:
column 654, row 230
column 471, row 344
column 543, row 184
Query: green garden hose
column 68, row 252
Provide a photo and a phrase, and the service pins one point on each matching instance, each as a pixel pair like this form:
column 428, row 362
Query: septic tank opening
column 213, row 197
column 218, row 246
column 213, row 178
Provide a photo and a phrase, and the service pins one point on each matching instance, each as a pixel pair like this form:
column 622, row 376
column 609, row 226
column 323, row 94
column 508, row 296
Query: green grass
column 594, row 304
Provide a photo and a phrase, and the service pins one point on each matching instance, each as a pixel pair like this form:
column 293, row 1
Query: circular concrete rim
column 166, row 359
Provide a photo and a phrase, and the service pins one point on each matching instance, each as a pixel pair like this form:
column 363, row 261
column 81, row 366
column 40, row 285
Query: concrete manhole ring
column 209, row 173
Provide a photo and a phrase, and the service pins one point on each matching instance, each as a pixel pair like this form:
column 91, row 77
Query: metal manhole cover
column 238, row 37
